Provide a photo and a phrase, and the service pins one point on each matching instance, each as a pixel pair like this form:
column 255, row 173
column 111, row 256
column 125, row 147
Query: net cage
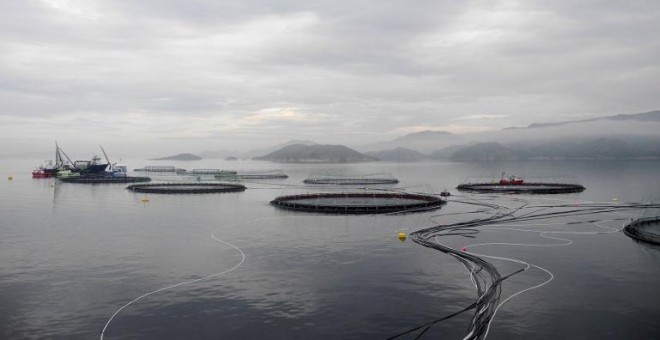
column 214, row 172
column 504, row 182
column 359, row 202
column 186, row 188
column 160, row 169
column 645, row 229
column 104, row 179
column 261, row 174
column 350, row 179
column 525, row 188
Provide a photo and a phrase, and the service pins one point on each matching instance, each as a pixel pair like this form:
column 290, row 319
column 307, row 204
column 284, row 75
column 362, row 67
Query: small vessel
column 445, row 193
column 40, row 173
column 511, row 180
column 117, row 170
column 64, row 173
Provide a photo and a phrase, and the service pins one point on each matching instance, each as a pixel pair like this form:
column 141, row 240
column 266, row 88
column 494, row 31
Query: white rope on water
column 179, row 284
column 527, row 264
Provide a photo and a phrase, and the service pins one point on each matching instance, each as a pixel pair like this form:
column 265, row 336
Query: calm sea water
column 71, row 255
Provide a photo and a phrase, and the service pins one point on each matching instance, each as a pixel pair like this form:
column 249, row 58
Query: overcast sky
column 206, row 75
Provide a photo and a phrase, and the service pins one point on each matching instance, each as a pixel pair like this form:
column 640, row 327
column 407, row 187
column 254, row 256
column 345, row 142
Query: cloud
column 287, row 114
column 227, row 71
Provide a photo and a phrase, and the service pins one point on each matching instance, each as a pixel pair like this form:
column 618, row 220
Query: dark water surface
column 72, row 254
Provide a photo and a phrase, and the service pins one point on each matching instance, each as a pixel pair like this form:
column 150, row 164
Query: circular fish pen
column 97, row 179
column 526, row 188
column 371, row 179
column 185, row 188
column 358, row 203
column 644, row 229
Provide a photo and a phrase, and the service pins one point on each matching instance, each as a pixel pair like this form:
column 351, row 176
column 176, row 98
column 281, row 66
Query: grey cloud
column 372, row 67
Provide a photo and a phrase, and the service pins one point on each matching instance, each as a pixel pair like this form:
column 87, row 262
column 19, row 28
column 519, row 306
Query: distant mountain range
column 601, row 148
column 621, row 136
column 301, row 153
column 652, row 116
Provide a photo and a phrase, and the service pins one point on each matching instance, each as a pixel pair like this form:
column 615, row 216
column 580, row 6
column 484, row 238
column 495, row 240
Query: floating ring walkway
column 186, row 188
column 92, row 179
column 526, row 188
column 644, row 229
column 358, row 203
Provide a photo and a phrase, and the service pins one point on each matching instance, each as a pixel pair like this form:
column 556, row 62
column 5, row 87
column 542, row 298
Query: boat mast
column 61, row 152
column 58, row 156
column 106, row 157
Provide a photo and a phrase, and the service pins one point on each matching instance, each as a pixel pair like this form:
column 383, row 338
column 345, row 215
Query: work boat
column 90, row 167
column 41, row 172
column 511, row 180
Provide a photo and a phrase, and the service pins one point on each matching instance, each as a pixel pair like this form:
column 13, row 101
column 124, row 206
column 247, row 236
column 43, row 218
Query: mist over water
column 73, row 254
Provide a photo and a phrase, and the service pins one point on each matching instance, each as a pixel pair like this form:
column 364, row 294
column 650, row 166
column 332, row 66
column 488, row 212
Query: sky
column 187, row 76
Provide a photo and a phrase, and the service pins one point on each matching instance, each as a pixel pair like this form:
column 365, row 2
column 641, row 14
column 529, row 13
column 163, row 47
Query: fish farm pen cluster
column 186, row 188
column 644, row 229
column 104, row 179
column 369, row 179
column 524, row 188
column 358, row 203
column 160, row 168
column 215, row 172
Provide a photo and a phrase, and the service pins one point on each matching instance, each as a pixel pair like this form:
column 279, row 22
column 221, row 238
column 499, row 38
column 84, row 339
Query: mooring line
column 179, row 284
column 527, row 264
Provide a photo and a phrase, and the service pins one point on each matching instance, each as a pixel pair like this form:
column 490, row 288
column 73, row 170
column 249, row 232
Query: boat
column 68, row 168
column 445, row 193
column 90, row 167
column 511, row 180
column 50, row 169
column 117, row 170
column 40, row 173
column 64, row 173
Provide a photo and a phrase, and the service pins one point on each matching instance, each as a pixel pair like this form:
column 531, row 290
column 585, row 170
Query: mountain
column 258, row 152
column 179, row 157
column 398, row 155
column 651, row 116
column 485, row 152
column 423, row 141
column 301, row 153
column 621, row 136
column 445, row 153
column 596, row 148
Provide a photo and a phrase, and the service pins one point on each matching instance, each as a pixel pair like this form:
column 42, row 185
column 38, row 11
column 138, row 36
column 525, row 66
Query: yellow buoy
column 145, row 199
column 402, row 236
column 10, row 178
column 614, row 199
